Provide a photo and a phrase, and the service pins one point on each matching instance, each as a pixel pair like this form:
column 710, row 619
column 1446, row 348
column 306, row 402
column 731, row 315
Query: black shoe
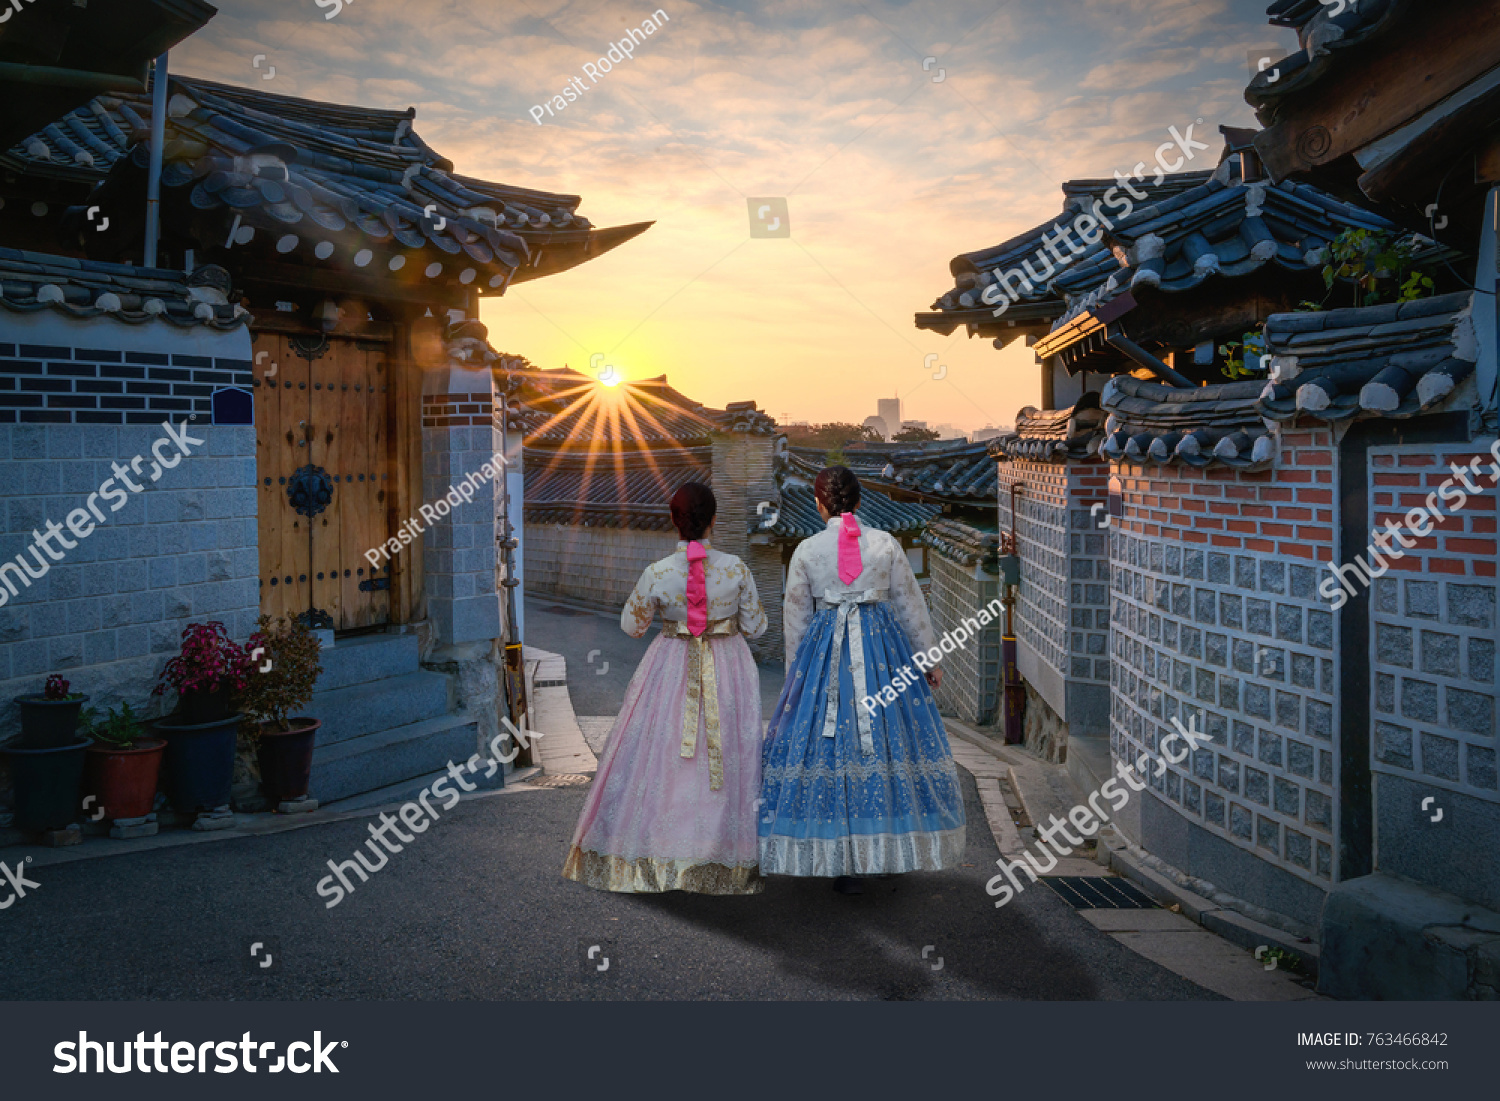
column 849, row 885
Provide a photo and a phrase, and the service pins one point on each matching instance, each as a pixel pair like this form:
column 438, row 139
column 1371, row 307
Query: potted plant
column 207, row 674
column 50, row 720
column 121, row 766
column 284, row 743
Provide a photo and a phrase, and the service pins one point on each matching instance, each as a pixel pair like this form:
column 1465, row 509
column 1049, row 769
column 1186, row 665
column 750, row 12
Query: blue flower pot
column 200, row 762
column 47, row 785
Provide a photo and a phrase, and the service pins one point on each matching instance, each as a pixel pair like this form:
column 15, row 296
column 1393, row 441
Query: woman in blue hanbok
column 857, row 776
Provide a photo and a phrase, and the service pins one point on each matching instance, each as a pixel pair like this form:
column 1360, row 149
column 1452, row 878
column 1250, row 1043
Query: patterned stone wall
column 460, row 433
column 598, row 565
column 1063, row 614
column 971, row 675
column 1433, row 696
column 744, row 476
column 1434, row 630
column 108, row 613
column 1217, row 620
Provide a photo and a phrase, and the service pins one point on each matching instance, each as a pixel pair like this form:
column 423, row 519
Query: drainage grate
column 549, row 684
column 562, row 780
column 558, row 609
column 1085, row 892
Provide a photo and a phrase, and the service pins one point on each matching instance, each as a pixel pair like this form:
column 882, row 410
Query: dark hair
column 837, row 489
column 693, row 509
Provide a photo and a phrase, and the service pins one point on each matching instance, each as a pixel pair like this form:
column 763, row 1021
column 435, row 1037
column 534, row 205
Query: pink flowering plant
column 57, row 689
column 210, row 661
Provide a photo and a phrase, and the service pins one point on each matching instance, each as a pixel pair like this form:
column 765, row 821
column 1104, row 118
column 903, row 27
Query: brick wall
column 971, row 674
column 56, row 384
column 1217, row 619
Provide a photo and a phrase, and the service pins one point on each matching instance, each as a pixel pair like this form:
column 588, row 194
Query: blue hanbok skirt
column 827, row 807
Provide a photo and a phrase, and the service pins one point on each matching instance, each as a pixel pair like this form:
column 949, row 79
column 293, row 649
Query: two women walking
column 689, row 796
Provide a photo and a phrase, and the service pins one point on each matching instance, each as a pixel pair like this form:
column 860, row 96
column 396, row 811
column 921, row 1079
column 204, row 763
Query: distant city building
column 889, row 410
column 947, row 431
column 988, row 432
column 878, row 423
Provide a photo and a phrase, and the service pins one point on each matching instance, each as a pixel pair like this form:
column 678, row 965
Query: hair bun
column 693, row 509
column 837, row 490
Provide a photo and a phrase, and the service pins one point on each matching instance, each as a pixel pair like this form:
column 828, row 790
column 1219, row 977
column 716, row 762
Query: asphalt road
column 597, row 686
column 475, row 908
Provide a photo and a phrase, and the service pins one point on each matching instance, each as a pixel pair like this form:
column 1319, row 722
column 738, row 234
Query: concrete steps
column 388, row 725
column 388, row 757
column 367, row 658
column 380, row 704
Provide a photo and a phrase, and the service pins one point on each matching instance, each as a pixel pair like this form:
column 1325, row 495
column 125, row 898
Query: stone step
column 404, row 791
column 362, row 709
column 367, row 658
column 394, row 755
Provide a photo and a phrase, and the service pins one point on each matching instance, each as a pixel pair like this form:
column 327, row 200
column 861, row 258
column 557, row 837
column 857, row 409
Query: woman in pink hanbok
column 673, row 805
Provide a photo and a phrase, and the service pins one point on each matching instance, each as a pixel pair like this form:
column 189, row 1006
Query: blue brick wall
column 54, row 384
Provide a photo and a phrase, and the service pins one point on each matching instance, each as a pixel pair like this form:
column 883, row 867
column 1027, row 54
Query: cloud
column 888, row 173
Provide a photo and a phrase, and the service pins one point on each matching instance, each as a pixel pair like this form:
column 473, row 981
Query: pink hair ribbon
column 850, row 563
column 697, row 589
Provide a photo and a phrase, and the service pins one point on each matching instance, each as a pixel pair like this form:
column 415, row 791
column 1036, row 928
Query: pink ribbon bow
column 697, row 589
column 850, row 563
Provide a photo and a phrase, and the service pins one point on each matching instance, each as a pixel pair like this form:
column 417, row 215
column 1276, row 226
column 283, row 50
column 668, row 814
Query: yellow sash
column 703, row 691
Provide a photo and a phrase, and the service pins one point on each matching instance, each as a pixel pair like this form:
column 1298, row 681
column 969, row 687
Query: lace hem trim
column 652, row 875
column 873, row 854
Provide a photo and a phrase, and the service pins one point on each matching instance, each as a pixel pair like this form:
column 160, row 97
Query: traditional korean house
column 1394, row 105
column 1346, row 715
column 347, row 248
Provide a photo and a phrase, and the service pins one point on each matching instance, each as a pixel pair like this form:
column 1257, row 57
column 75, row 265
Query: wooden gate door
column 324, row 471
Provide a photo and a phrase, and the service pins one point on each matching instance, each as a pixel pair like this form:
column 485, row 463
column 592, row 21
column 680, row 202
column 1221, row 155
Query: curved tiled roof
column 1054, row 435
column 1223, row 228
column 611, row 489
column 1195, row 426
column 960, row 472
column 797, row 512
column 964, row 543
column 1396, row 360
column 326, row 184
column 1323, row 38
column 952, row 471
column 31, row 281
column 973, row 271
column 565, row 408
column 602, row 456
column 797, row 508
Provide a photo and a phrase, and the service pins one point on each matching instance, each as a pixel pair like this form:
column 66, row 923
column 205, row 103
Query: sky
column 897, row 134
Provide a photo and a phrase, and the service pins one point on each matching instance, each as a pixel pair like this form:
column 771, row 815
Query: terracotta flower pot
column 122, row 781
column 286, row 759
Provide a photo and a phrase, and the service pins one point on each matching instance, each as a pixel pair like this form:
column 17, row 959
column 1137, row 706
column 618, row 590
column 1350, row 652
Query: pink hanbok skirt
column 652, row 822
